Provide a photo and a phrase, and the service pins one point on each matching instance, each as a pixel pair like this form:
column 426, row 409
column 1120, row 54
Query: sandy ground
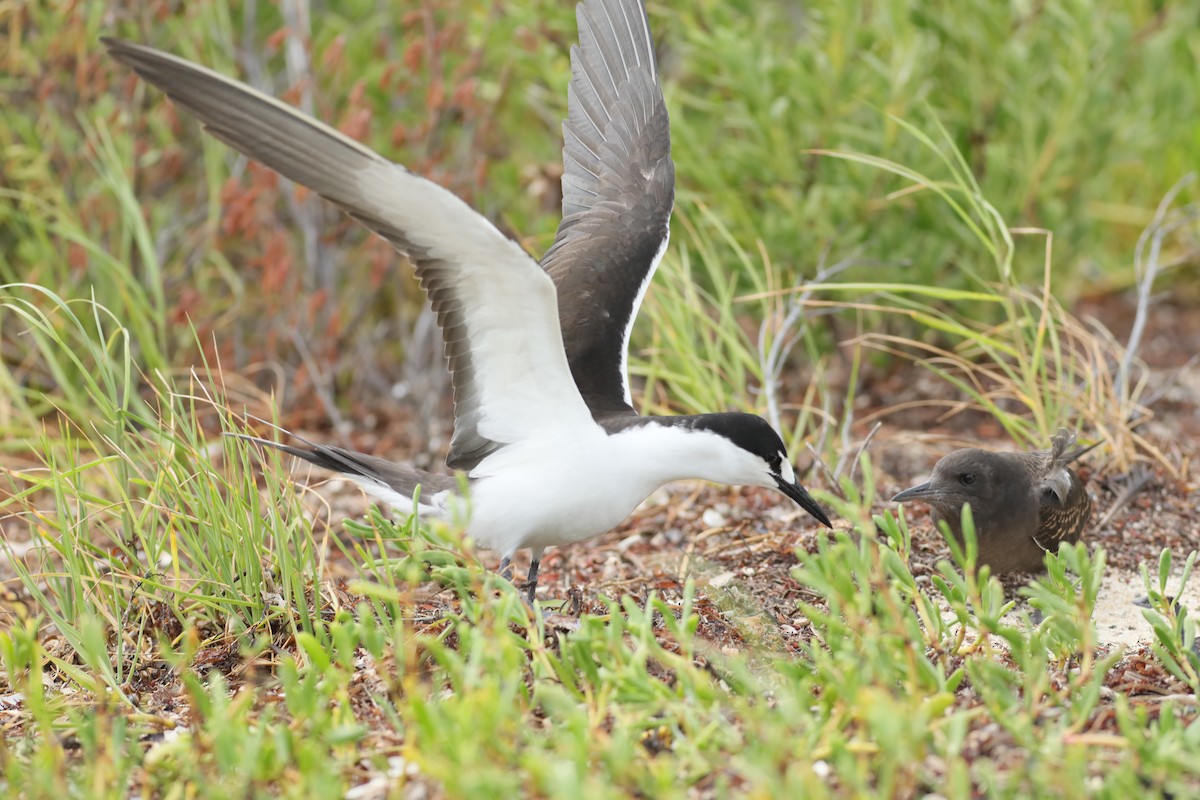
column 1119, row 621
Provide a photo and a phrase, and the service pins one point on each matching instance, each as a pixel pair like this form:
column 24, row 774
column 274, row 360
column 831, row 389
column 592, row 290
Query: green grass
column 338, row 684
column 179, row 627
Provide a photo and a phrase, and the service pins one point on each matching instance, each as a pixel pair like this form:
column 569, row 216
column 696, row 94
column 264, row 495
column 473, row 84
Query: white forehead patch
column 785, row 470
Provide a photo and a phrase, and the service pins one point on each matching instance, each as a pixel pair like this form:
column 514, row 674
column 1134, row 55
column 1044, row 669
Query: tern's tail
column 390, row 482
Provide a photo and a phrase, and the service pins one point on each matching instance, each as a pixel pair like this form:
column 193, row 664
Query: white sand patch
column 1119, row 621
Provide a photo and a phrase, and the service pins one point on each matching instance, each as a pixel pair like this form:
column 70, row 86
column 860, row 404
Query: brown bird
column 1023, row 503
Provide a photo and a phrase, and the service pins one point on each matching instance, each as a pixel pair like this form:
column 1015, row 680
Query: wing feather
column 496, row 307
column 618, row 190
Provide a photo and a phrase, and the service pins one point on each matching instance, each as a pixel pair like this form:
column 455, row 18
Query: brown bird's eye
column 967, row 478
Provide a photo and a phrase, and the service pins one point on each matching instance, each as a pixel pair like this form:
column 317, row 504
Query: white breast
column 569, row 487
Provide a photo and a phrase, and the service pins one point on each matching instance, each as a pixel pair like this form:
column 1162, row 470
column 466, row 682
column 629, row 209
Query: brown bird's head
column 997, row 485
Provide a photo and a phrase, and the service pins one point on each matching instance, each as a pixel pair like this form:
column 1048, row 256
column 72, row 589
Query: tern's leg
column 506, row 572
column 531, row 580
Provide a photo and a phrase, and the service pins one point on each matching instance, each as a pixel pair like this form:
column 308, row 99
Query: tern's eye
column 967, row 478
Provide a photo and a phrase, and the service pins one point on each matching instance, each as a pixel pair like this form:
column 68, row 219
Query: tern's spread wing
column 497, row 309
column 618, row 189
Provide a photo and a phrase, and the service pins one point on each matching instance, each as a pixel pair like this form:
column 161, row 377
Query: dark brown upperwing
column 618, row 190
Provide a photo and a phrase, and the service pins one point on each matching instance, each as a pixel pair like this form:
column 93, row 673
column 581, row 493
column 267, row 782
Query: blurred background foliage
column 1076, row 117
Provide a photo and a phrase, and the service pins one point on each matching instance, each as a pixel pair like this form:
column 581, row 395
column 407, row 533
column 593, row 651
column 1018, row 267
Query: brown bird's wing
column 1065, row 522
column 1065, row 504
column 618, row 190
column 1054, row 483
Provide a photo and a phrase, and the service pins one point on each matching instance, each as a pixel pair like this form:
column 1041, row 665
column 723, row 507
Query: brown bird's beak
column 804, row 500
column 919, row 492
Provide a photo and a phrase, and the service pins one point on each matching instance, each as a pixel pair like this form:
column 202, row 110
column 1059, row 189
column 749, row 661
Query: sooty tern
column 1023, row 504
column 543, row 422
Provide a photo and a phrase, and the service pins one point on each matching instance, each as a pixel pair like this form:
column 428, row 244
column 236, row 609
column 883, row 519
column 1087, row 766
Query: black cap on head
column 755, row 435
